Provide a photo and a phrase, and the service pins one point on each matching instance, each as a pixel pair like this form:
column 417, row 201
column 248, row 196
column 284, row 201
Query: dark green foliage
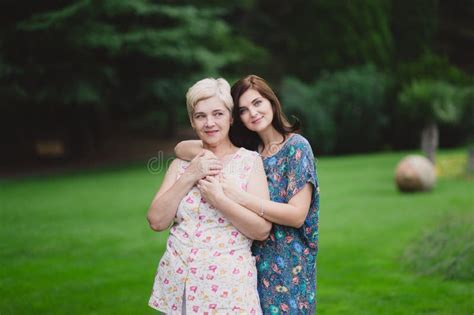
column 341, row 112
column 431, row 101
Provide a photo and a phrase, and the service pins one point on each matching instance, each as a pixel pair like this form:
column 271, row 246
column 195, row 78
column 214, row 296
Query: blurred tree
column 306, row 37
column 113, row 57
column 429, row 103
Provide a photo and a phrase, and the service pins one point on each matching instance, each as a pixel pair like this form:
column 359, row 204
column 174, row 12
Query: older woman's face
column 211, row 120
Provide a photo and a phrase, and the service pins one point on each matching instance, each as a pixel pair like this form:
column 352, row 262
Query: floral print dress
column 286, row 261
column 208, row 267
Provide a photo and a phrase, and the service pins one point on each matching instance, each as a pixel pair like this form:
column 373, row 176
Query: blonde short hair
column 208, row 88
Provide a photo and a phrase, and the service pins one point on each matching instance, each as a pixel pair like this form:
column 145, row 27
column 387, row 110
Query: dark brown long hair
column 240, row 135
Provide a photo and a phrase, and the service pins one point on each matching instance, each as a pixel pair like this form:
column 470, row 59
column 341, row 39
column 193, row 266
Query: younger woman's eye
column 242, row 111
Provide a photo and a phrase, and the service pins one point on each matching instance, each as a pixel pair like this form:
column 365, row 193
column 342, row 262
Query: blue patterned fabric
column 286, row 261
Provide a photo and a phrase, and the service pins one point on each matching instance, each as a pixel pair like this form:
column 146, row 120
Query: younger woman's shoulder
column 300, row 142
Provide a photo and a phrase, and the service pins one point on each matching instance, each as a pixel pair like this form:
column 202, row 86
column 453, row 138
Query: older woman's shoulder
column 298, row 141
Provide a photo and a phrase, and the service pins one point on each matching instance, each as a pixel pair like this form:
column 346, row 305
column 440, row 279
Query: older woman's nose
column 210, row 122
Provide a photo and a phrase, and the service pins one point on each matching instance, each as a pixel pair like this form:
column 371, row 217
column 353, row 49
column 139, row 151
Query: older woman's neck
column 221, row 149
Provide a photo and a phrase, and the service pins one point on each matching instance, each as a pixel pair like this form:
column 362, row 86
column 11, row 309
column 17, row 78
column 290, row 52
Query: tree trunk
column 429, row 141
column 470, row 160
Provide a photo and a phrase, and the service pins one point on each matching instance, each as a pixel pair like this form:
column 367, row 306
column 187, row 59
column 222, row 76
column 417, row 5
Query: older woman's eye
column 257, row 103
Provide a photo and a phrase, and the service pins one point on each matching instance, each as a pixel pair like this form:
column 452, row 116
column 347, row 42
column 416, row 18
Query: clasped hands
column 215, row 187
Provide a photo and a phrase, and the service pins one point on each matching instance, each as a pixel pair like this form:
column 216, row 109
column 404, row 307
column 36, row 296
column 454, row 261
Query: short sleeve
column 301, row 167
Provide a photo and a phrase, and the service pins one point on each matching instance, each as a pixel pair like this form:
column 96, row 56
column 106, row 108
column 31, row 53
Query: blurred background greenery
column 91, row 83
column 362, row 75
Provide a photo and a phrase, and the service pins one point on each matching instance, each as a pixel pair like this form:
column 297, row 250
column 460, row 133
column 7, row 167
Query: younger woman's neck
column 270, row 136
column 221, row 149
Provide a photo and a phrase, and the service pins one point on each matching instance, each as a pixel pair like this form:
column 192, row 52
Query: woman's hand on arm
column 247, row 222
column 188, row 149
column 165, row 204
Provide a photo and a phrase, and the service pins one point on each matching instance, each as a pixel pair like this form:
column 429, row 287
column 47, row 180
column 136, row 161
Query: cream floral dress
column 208, row 262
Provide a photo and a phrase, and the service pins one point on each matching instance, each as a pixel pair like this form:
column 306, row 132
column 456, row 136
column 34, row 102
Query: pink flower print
column 246, row 167
column 236, row 271
column 284, row 307
column 266, row 283
column 201, row 217
column 295, row 280
column 253, row 311
column 174, row 307
column 189, row 200
column 208, row 239
column 214, row 287
column 198, row 234
column 166, row 281
column 235, row 308
column 224, row 294
column 203, row 200
column 234, row 233
column 194, row 251
column 275, row 268
column 179, row 271
column 306, row 251
column 213, row 268
column 289, row 239
column 212, row 306
column 193, row 288
column 298, row 154
column 216, row 254
column 243, row 187
column 193, row 270
column 250, row 274
column 191, row 297
column 231, row 242
column 232, row 252
column 195, row 308
column 210, row 277
column 186, row 235
column 221, row 220
column 240, row 258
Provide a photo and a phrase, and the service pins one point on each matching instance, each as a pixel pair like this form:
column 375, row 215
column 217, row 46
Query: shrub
column 341, row 112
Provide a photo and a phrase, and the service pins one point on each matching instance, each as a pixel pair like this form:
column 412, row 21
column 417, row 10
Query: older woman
column 208, row 265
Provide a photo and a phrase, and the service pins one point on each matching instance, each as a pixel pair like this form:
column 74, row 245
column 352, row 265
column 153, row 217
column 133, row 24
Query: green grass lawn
column 80, row 243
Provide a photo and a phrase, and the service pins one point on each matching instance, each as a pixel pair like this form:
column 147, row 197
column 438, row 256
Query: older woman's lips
column 257, row 120
column 211, row 132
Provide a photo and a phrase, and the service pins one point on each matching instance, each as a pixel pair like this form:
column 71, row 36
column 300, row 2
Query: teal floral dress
column 286, row 261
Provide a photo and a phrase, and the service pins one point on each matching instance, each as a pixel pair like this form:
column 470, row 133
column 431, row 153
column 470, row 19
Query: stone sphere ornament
column 415, row 173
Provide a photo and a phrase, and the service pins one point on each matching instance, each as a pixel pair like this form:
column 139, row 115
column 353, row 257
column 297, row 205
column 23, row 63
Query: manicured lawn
column 80, row 244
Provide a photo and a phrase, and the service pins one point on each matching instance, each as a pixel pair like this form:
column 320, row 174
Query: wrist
column 221, row 201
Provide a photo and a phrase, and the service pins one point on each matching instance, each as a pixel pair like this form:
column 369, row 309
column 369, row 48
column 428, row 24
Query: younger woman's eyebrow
column 255, row 99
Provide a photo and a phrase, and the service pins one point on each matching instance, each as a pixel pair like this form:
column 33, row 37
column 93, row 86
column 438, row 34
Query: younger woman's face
column 255, row 111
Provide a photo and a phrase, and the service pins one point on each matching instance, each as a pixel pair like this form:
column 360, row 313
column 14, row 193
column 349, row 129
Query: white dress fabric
column 208, row 262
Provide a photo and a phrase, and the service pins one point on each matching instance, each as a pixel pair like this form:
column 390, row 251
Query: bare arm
column 165, row 204
column 188, row 149
column 291, row 214
column 246, row 221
